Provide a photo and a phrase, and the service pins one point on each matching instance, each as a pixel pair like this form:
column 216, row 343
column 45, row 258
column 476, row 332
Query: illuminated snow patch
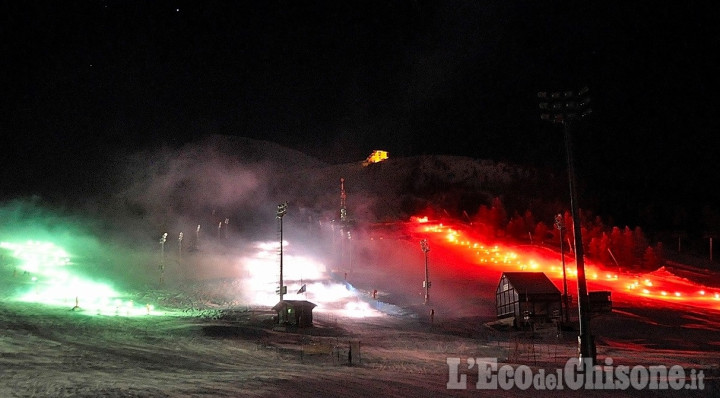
column 263, row 271
column 53, row 282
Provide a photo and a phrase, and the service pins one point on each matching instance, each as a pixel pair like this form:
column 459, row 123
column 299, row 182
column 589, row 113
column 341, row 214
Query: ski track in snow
column 54, row 352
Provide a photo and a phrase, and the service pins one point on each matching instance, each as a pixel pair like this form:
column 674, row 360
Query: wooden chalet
column 529, row 297
column 295, row 313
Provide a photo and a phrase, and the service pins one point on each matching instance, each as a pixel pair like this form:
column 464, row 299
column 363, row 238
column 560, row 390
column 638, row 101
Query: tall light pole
column 561, row 226
column 710, row 235
column 162, row 256
column 426, row 248
column 197, row 237
column 281, row 211
column 180, row 238
column 345, row 227
column 566, row 108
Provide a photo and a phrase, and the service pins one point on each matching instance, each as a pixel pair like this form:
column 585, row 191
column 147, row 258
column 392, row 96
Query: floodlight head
column 282, row 209
column 564, row 106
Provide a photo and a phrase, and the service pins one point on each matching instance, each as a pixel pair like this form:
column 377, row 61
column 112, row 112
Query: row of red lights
column 659, row 285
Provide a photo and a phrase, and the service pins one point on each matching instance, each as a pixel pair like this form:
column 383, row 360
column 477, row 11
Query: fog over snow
column 97, row 302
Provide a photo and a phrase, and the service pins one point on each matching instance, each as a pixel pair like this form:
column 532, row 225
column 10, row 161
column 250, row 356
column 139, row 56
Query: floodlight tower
column 426, row 284
column 345, row 224
column 281, row 211
column 163, row 239
column 197, row 237
column 566, row 108
column 180, row 238
column 566, row 304
column 343, row 207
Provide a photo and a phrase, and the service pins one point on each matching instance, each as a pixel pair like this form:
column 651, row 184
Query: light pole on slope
column 426, row 284
column 566, row 304
column 281, row 211
column 567, row 108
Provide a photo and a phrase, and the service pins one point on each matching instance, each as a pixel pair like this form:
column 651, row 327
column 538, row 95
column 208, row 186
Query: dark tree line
column 610, row 245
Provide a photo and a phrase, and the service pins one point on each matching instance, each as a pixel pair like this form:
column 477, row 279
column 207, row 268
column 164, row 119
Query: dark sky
column 337, row 79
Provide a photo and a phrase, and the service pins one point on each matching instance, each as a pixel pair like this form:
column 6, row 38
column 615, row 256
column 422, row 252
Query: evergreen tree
column 616, row 243
column 516, row 227
column 627, row 250
column 640, row 242
column 660, row 254
column 529, row 220
column 541, row 232
column 603, row 253
column 498, row 215
column 593, row 249
column 650, row 260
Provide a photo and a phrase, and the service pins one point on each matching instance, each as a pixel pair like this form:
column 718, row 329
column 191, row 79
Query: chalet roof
column 531, row 283
column 294, row 303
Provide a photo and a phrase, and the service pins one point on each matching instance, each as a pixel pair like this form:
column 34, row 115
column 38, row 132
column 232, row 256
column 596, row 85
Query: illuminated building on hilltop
column 376, row 156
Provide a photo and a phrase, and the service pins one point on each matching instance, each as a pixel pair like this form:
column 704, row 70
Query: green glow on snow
column 54, row 283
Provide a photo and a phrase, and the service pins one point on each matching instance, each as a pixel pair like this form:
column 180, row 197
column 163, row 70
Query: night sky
column 336, row 79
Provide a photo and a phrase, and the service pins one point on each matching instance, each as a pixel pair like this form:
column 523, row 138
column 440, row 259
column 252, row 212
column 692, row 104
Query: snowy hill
column 400, row 187
column 243, row 180
column 102, row 303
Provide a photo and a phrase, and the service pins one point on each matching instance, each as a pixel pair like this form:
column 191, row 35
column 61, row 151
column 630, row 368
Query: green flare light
column 48, row 270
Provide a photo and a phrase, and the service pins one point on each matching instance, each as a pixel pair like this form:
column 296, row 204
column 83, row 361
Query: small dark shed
column 600, row 302
column 295, row 312
column 527, row 294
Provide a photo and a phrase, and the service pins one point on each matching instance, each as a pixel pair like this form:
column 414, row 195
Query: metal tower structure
column 343, row 207
column 281, row 211
column 345, row 224
column 567, row 108
column 163, row 239
column 426, row 283
column 565, row 302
